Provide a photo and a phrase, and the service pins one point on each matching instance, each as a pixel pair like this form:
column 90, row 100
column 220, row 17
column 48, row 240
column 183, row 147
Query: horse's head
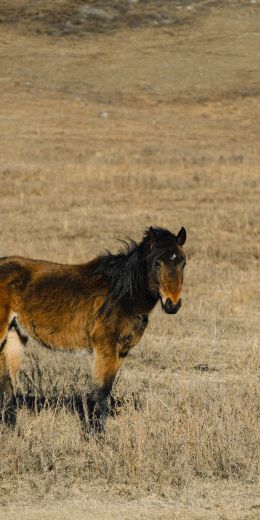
column 169, row 262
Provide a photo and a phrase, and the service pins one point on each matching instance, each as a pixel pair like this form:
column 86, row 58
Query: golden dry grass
column 101, row 136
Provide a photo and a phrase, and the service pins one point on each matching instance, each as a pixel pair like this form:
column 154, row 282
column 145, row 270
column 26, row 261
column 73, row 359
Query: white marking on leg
column 13, row 351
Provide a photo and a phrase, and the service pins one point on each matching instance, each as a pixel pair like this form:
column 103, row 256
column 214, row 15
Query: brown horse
column 102, row 306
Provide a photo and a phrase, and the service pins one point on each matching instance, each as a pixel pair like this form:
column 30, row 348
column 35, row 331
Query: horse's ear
column 150, row 235
column 181, row 237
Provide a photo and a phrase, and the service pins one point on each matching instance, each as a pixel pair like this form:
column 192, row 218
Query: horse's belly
column 69, row 337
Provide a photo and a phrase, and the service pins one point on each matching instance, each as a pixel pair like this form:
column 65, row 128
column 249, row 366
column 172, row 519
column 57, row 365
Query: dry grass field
column 137, row 114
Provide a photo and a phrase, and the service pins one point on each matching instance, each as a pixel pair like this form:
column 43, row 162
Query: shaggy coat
column 102, row 306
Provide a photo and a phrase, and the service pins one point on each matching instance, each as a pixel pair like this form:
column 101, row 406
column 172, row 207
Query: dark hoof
column 9, row 411
column 97, row 414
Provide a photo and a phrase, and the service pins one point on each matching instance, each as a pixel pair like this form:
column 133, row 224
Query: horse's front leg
column 105, row 366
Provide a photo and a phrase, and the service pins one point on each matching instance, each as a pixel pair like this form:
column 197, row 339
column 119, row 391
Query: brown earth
column 141, row 113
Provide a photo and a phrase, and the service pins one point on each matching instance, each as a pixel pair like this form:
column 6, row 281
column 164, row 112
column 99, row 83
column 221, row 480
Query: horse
column 102, row 306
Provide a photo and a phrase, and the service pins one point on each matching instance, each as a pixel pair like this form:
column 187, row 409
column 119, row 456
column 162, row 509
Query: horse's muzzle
column 170, row 307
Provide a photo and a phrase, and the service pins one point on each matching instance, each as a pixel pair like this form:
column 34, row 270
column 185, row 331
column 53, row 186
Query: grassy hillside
column 145, row 114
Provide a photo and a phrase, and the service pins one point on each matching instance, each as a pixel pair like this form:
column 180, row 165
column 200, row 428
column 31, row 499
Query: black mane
column 128, row 272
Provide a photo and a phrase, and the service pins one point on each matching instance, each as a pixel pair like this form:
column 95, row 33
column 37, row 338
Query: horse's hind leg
column 14, row 350
column 4, row 315
column 11, row 349
column 6, row 388
column 10, row 362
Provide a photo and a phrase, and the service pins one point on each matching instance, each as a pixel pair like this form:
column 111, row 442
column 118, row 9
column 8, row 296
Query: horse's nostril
column 172, row 308
column 145, row 319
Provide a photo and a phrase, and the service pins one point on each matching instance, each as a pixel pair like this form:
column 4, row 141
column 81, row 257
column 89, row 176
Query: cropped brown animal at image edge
column 102, row 306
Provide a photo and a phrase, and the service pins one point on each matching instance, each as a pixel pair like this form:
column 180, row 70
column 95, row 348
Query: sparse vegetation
column 179, row 145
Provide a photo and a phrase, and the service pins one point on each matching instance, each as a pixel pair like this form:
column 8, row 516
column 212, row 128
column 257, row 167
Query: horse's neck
column 143, row 301
column 145, row 297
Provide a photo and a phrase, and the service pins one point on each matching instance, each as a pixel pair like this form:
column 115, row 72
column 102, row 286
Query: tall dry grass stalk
column 200, row 429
